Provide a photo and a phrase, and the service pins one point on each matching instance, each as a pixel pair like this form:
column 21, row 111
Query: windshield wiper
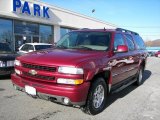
column 61, row 46
column 83, row 47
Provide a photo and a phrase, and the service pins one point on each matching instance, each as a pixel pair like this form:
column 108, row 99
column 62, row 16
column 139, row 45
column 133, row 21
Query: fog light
column 18, row 71
column 66, row 100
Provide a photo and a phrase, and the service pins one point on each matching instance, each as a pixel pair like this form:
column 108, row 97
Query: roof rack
column 127, row 31
column 84, row 28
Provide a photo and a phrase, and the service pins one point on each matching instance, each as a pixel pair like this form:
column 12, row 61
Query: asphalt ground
column 132, row 103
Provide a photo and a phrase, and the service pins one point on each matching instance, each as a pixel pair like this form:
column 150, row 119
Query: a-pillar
column 56, row 33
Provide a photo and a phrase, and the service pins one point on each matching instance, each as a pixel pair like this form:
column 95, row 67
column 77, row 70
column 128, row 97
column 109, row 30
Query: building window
column 6, row 33
column 63, row 31
column 22, row 27
column 46, row 34
column 25, row 32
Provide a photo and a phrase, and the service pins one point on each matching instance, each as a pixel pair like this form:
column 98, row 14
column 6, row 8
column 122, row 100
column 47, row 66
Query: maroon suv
column 157, row 54
column 83, row 68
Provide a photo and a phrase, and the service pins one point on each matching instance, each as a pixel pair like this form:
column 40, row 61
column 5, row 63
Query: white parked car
column 30, row 47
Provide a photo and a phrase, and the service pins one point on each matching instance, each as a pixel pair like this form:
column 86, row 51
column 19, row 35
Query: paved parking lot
column 132, row 103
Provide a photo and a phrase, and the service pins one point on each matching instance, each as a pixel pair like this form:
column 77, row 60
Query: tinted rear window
column 40, row 47
column 139, row 42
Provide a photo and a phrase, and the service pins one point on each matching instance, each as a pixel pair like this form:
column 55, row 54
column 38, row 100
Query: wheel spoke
column 140, row 75
column 98, row 96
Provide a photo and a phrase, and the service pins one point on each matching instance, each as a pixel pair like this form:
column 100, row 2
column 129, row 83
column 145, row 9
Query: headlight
column 2, row 64
column 70, row 70
column 17, row 63
column 18, row 72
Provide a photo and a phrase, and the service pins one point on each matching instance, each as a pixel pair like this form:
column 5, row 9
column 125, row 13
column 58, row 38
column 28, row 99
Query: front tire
column 96, row 101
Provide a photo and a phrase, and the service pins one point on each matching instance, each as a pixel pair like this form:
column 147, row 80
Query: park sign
column 30, row 9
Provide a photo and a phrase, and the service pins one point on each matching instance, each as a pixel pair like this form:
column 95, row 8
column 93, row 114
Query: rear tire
column 97, row 96
column 140, row 77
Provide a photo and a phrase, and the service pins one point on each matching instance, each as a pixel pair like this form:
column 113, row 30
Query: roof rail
column 84, row 28
column 127, row 31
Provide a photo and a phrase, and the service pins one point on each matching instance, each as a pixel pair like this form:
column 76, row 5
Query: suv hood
column 60, row 57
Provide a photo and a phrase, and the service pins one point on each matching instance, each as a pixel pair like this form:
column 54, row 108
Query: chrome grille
column 38, row 67
column 26, row 74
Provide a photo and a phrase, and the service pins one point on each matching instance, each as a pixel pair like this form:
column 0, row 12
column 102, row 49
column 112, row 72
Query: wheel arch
column 143, row 64
column 106, row 75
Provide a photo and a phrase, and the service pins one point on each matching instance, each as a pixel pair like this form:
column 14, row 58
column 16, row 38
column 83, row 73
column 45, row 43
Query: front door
column 118, row 62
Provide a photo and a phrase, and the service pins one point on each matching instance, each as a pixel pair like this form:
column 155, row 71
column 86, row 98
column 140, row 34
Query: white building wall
column 56, row 33
column 58, row 17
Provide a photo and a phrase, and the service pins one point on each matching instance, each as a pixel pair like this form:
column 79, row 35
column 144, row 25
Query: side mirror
column 121, row 49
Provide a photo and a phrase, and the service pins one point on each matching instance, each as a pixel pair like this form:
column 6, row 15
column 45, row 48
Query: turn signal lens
column 69, row 81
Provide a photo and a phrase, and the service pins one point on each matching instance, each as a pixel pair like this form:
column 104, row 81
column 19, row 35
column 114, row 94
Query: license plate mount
column 30, row 90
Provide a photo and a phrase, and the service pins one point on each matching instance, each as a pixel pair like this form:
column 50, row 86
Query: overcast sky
column 142, row 16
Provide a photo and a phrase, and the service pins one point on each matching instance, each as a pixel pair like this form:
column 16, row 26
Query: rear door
column 141, row 48
column 132, row 56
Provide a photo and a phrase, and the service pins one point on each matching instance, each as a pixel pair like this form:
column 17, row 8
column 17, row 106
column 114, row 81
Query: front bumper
column 77, row 95
column 6, row 70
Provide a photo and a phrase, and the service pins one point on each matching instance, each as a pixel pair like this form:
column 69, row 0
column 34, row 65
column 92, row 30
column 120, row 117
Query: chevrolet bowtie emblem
column 33, row 72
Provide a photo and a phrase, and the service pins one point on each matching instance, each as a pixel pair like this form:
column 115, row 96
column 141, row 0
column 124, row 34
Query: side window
column 30, row 47
column 25, row 48
column 129, row 41
column 139, row 42
column 118, row 40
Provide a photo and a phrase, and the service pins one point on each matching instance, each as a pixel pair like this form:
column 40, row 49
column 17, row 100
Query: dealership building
column 25, row 21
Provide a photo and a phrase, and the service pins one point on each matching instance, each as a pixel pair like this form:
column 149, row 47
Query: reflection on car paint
column 115, row 61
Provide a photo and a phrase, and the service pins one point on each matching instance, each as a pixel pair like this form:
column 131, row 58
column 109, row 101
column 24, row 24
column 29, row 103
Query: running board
column 123, row 87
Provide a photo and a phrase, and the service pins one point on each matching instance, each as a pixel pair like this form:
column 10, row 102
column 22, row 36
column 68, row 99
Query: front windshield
column 4, row 47
column 85, row 40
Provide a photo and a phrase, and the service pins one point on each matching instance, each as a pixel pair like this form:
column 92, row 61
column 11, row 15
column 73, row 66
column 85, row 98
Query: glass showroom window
column 6, row 33
column 22, row 27
column 46, row 34
column 25, row 32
